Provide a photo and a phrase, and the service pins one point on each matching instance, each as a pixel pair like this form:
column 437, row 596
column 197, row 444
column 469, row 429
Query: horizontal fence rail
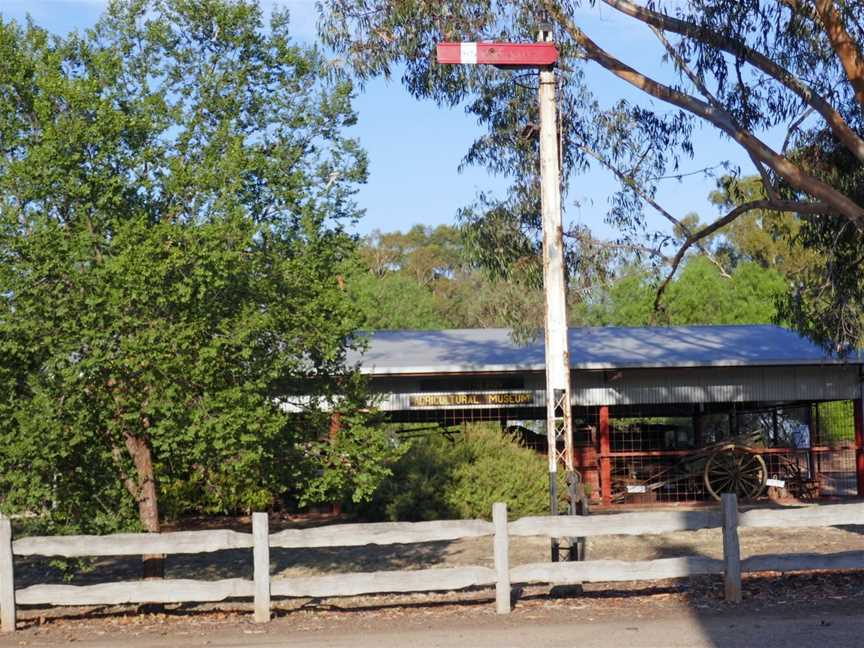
column 421, row 580
column 810, row 516
column 602, row 571
column 728, row 520
column 132, row 544
column 148, row 591
column 578, row 526
column 804, row 562
column 382, row 533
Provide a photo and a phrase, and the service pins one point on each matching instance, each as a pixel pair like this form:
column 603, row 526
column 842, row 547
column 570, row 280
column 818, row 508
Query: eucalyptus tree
column 174, row 185
column 424, row 278
column 749, row 69
column 699, row 294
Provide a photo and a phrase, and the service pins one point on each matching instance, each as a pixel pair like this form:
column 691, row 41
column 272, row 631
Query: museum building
column 659, row 413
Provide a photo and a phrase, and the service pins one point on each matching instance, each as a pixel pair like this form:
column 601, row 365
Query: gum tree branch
column 770, row 186
column 845, row 46
column 740, row 210
column 737, row 48
column 632, row 184
column 781, row 166
column 630, row 247
column 794, row 126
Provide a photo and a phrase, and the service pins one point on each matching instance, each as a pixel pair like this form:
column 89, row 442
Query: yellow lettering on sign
column 469, row 400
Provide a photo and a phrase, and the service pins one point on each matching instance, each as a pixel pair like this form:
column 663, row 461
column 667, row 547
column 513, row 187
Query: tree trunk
column 146, row 496
column 844, row 45
column 335, row 426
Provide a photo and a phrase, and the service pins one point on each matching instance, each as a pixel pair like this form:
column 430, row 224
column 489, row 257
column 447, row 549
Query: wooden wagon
column 730, row 466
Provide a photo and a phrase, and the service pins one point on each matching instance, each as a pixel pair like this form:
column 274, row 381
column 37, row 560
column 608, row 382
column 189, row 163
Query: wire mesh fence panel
column 790, row 474
column 648, row 434
column 645, row 479
column 834, row 448
column 834, row 424
column 837, row 477
column 788, row 451
column 664, row 454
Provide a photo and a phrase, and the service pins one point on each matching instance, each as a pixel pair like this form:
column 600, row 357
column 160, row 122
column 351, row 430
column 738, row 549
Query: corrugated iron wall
column 658, row 386
column 715, row 385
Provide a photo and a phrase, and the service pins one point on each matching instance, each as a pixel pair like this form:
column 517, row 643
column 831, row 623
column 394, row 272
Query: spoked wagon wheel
column 735, row 469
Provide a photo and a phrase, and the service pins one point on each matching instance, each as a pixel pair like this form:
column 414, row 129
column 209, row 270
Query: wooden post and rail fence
column 262, row 587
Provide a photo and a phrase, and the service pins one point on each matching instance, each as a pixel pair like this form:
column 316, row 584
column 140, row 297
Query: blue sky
column 415, row 147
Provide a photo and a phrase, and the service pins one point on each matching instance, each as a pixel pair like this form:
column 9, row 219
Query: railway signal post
column 542, row 55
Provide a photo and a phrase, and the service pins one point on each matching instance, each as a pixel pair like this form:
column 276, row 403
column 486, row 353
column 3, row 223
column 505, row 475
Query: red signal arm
column 500, row 54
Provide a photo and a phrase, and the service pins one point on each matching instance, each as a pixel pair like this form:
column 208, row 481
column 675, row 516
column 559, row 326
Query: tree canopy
column 698, row 295
column 174, row 186
column 426, row 278
column 747, row 286
column 748, row 69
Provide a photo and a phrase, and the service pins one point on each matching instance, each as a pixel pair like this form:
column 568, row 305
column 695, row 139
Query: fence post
column 7, row 577
column 261, row 562
column 502, row 558
column 731, row 547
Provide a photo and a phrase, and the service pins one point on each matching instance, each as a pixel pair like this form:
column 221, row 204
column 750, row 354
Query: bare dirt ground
column 364, row 614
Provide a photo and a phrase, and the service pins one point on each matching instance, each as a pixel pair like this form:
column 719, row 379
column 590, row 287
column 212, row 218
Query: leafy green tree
column 425, row 278
column 827, row 302
column 394, row 301
column 699, row 294
column 626, row 301
column 770, row 238
column 818, row 256
column 173, row 189
column 498, row 469
column 461, row 476
column 425, row 253
column 400, row 277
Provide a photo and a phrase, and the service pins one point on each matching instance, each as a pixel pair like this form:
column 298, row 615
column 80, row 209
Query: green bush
column 836, row 422
column 416, row 488
column 499, row 470
column 461, row 477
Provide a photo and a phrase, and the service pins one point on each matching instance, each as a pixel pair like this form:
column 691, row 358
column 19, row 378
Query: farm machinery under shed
column 730, row 466
column 779, row 452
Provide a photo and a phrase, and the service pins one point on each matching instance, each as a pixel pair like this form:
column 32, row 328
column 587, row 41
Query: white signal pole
column 559, row 420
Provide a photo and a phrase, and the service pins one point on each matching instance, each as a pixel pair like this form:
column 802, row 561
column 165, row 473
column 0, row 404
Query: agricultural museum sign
column 467, row 400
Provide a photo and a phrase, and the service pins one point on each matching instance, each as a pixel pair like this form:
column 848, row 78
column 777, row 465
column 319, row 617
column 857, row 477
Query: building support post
column 559, row 422
column 605, row 459
column 858, row 404
column 698, row 431
column 813, row 434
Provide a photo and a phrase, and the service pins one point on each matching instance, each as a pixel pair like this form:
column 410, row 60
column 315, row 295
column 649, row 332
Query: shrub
column 499, row 470
column 439, row 478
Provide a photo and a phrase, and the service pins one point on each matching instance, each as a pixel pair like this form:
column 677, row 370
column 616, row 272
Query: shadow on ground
column 236, row 563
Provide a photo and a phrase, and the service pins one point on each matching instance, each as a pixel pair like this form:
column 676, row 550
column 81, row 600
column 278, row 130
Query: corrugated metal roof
column 492, row 350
